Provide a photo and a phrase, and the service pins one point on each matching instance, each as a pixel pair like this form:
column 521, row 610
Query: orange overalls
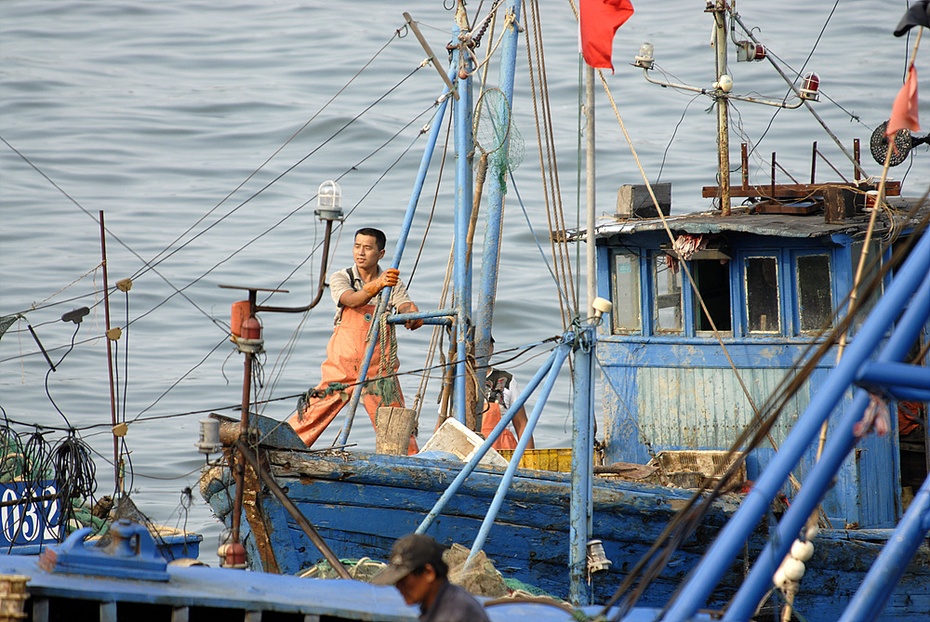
column 491, row 417
column 344, row 355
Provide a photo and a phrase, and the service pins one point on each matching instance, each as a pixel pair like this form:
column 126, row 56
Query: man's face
column 416, row 586
column 366, row 252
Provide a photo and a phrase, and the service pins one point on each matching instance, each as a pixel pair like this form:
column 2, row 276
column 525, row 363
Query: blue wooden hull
column 360, row 503
column 129, row 579
column 222, row 595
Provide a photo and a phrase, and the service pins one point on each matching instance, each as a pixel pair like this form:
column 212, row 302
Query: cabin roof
column 740, row 220
column 713, row 222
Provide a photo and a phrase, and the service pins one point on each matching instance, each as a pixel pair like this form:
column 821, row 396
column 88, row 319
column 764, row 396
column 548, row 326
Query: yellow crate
column 557, row 459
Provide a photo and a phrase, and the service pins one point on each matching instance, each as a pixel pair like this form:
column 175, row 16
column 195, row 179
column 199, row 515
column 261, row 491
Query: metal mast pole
column 497, row 189
column 581, row 506
column 590, row 244
column 117, row 485
column 723, row 129
column 464, row 148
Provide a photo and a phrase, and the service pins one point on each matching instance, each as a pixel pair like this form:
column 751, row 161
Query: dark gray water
column 155, row 112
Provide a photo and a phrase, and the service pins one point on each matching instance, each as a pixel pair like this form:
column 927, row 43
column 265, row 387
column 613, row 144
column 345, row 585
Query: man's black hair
column 440, row 567
column 377, row 234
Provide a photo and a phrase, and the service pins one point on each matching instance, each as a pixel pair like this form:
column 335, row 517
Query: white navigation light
column 601, row 306
column 724, row 83
column 645, row 58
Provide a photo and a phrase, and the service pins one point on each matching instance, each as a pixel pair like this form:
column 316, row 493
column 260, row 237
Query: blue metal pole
column 582, row 467
column 873, row 594
column 441, row 316
column 561, row 353
column 398, row 253
column 820, row 477
column 464, row 148
column 486, row 445
column 497, row 167
column 732, row 537
column 898, row 375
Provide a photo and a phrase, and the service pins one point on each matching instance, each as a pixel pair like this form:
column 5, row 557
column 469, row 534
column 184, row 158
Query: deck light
column 748, row 51
column 597, row 559
column 329, row 201
column 209, row 442
column 645, row 59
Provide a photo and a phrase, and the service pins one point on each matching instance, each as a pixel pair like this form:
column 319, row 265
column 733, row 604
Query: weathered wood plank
column 794, row 191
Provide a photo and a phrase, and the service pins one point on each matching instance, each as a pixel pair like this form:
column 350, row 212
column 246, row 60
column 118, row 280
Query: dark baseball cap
column 408, row 554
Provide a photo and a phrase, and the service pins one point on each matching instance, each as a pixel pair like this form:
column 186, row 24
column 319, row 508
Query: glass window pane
column 667, row 276
column 815, row 295
column 762, row 295
column 626, row 293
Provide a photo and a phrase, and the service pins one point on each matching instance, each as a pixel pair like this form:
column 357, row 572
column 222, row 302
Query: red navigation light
column 810, row 87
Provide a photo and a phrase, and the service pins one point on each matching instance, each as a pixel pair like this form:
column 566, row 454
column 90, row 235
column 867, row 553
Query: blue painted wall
column 678, row 391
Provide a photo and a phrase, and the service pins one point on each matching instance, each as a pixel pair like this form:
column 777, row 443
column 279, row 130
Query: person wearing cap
column 356, row 292
column 499, row 389
column 417, row 570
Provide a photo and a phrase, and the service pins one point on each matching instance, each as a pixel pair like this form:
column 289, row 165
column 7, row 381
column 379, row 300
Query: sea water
column 184, row 123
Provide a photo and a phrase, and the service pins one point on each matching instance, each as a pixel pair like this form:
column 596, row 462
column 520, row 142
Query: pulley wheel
column 878, row 145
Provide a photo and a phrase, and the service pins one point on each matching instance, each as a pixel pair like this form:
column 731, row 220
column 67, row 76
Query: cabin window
column 762, row 301
column 667, row 280
column 627, row 316
column 712, row 277
column 815, row 294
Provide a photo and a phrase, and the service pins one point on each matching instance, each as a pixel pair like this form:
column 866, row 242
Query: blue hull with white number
column 30, row 522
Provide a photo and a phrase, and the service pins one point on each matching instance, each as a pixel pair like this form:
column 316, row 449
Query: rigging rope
column 436, row 335
column 770, row 57
column 162, row 256
column 547, row 159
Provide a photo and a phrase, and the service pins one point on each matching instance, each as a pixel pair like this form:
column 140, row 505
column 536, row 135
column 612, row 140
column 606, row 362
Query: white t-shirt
column 339, row 283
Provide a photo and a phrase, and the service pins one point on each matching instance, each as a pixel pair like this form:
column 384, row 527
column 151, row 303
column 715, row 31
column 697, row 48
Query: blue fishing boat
column 129, row 581
column 731, row 339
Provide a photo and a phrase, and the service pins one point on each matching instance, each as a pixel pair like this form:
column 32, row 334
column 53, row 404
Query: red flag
column 904, row 108
column 599, row 20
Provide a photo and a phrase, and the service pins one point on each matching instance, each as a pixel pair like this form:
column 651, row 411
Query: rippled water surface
column 179, row 120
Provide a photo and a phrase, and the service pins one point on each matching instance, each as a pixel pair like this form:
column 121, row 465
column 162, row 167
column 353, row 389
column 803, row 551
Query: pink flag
column 904, row 109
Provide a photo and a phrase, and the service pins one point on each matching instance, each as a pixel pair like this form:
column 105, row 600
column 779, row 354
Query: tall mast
column 590, row 255
column 497, row 190
column 723, row 131
column 117, row 484
column 464, row 150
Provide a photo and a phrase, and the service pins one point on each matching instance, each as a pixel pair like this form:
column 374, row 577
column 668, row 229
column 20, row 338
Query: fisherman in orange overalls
column 499, row 390
column 355, row 291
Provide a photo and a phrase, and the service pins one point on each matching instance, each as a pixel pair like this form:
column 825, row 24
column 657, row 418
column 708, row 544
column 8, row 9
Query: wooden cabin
column 770, row 283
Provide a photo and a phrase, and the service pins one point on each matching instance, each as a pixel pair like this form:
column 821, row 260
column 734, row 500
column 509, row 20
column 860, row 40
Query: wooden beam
column 797, row 191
